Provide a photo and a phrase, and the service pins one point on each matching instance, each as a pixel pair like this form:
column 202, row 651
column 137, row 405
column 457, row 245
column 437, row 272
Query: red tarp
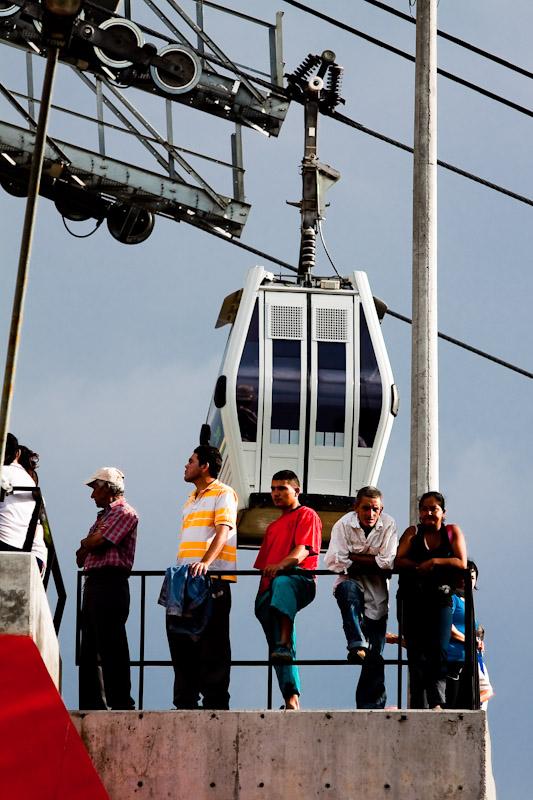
column 42, row 756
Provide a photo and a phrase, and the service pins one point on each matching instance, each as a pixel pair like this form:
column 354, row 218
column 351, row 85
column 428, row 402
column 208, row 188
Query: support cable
column 444, row 164
column 398, row 52
column 468, row 347
column 455, row 40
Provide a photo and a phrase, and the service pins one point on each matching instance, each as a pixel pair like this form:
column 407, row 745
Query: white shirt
column 347, row 536
column 16, row 512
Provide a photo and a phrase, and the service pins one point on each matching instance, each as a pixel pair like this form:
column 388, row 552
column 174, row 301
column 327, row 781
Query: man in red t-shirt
column 290, row 549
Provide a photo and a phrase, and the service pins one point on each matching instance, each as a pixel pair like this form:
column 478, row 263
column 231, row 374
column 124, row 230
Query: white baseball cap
column 110, row 475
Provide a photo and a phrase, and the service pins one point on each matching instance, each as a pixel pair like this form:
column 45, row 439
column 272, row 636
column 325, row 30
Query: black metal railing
column 53, row 569
column 471, row 671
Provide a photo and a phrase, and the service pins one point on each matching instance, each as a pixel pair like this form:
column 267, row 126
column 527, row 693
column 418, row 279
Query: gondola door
column 331, row 394
column 285, row 372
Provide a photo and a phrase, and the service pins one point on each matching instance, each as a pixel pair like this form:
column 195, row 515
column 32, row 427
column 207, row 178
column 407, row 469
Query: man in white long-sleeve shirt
column 362, row 548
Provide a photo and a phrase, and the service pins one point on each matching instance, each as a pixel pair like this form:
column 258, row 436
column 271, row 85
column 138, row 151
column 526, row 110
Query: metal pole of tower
column 424, row 365
column 25, row 249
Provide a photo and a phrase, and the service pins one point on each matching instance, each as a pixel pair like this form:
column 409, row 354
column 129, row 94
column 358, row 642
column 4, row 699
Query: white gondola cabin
column 305, row 384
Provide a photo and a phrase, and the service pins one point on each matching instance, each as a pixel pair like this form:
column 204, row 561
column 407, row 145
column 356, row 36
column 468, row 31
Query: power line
column 395, row 314
column 398, row 52
column 345, row 120
column 455, row 40
column 444, row 164
column 468, row 347
column 395, row 143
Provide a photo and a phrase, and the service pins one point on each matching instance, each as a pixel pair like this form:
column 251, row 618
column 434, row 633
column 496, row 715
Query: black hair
column 287, row 475
column 12, row 448
column 438, row 497
column 472, row 567
column 211, row 456
column 30, row 461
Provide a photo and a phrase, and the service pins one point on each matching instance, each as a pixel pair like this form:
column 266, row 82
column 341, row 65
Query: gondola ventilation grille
column 285, row 322
column 331, row 325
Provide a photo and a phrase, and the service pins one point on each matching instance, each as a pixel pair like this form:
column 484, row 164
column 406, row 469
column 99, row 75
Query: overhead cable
column 402, row 146
column 395, row 314
column 468, row 347
column 397, row 51
column 444, row 164
column 455, row 40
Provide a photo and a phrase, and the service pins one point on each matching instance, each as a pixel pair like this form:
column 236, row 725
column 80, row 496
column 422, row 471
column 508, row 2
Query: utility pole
column 424, row 364
column 58, row 16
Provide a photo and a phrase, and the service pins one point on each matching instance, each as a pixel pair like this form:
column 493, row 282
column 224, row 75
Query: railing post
column 141, row 642
column 399, row 602
column 471, row 670
column 79, row 577
column 269, row 685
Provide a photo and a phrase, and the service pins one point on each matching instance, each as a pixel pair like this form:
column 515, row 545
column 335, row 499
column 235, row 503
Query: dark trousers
column 105, row 609
column 427, row 624
column 203, row 667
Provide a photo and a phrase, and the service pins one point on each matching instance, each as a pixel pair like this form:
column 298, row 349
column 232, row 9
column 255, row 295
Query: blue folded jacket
column 187, row 600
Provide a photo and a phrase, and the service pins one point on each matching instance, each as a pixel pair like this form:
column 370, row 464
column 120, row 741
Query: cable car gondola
column 305, row 382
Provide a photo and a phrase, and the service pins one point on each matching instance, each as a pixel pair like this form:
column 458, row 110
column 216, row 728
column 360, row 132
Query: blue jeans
column 286, row 595
column 361, row 631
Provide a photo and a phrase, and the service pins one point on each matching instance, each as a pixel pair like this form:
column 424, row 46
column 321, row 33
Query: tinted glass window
column 286, row 371
column 371, row 394
column 248, row 382
column 217, row 431
column 331, row 394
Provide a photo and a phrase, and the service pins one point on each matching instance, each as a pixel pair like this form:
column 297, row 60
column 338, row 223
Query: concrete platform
column 255, row 755
column 24, row 609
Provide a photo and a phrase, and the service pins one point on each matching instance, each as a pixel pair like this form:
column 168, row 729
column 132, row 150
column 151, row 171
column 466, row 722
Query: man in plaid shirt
column 106, row 555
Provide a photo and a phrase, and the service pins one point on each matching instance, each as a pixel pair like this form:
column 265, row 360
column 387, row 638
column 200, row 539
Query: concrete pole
column 424, row 368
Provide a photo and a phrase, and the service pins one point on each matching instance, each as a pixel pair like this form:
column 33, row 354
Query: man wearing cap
column 106, row 555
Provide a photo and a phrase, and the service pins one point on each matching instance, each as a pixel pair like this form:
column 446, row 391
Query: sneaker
column 356, row 655
column 281, row 654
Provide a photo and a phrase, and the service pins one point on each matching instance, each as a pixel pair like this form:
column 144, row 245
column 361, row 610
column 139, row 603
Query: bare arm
column 456, row 634
column 295, row 557
column 401, row 561
column 215, row 548
column 458, row 559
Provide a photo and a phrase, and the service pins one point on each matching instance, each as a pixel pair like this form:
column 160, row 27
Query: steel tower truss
column 111, row 54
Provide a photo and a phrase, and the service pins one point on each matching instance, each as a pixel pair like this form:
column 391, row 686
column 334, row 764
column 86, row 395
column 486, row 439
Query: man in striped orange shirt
column 208, row 540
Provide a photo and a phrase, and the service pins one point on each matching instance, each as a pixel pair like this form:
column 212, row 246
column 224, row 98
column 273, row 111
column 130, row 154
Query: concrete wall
column 273, row 755
column 24, row 609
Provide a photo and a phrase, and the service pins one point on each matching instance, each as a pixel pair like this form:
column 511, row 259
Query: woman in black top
column 429, row 556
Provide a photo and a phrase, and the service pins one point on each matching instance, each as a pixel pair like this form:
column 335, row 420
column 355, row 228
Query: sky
column 119, row 354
